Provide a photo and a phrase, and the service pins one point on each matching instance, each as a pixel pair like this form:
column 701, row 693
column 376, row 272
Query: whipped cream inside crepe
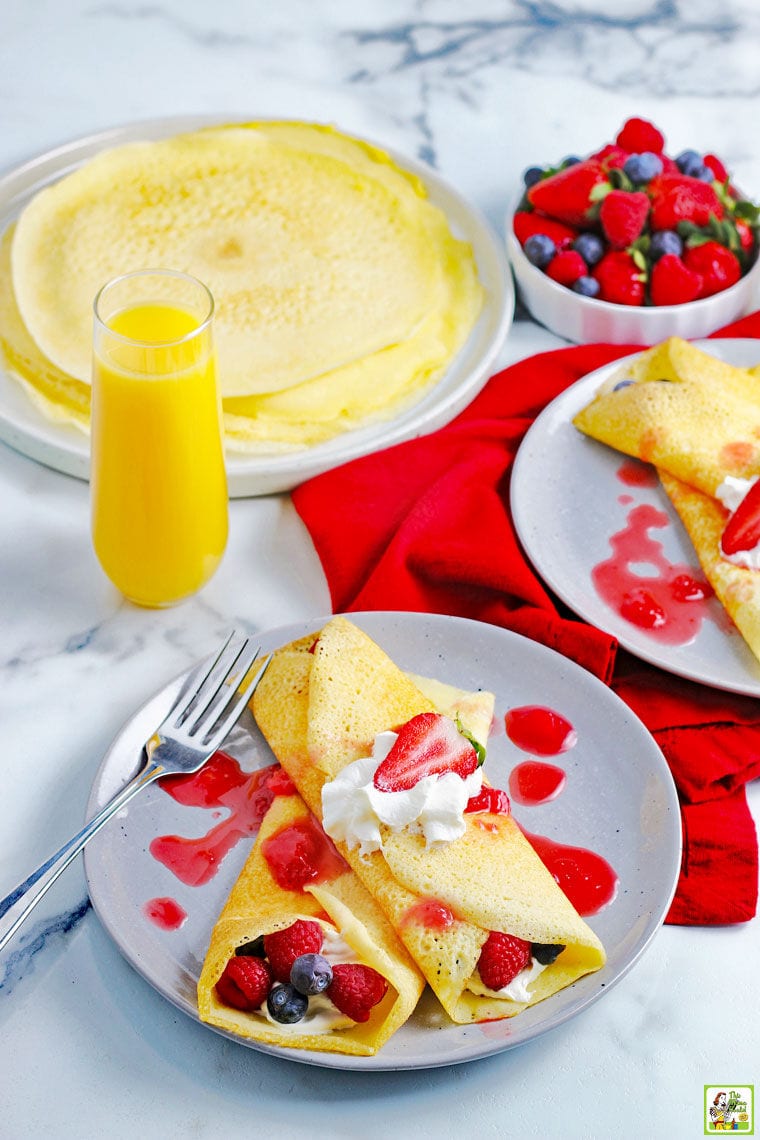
column 320, row 705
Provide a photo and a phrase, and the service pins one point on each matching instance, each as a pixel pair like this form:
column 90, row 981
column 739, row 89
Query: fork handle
column 16, row 906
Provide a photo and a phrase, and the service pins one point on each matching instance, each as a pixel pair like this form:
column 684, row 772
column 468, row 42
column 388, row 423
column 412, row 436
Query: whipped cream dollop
column 518, row 988
column 730, row 493
column 353, row 809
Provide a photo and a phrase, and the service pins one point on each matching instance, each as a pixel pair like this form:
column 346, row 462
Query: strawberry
column 742, row 531
column 284, row 946
column 492, row 800
column 717, row 167
column 355, row 989
column 502, row 958
column 638, row 135
column 427, row 745
column 566, row 267
column 746, row 236
column 612, row 156
column 622, row 217
column 245, row 983
column 718, row 266
column 526, row 223
column 570, row 194
column 672, row 282
column 679, row 198
column 620, row 279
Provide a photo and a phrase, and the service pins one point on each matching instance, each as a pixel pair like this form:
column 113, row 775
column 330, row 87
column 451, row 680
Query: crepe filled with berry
column 687, row 412
column 399, row 788
column 301, row 955
column 737, row 587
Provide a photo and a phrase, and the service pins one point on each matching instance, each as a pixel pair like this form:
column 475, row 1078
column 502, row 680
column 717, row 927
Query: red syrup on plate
column 221, row 783
column 301, row 854
column 669, row 602
column 539, row 730
column 165, row 913
column 635, row 474
column 533, row 782
column 587, row 879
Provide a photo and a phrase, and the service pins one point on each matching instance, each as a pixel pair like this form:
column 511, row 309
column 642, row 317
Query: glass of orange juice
column 158, row 482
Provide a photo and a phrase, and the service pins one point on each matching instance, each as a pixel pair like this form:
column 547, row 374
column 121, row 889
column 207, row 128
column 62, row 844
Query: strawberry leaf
column 480, row 751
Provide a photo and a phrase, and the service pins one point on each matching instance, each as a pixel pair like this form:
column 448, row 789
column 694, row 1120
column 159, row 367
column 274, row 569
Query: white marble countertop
column 89, row 1049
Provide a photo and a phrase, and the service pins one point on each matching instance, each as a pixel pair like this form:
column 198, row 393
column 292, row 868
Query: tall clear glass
column 158, row 482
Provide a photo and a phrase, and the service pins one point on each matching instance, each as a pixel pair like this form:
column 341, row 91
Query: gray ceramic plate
column 619, row 800
column 567, row 503
column 66, row 449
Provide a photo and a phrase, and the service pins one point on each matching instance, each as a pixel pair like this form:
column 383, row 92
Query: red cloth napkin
column 396, row 531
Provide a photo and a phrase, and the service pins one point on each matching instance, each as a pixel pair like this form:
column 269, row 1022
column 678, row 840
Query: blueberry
column 539, row 250
column 622, row 384
column 286, row 1005
column 590, row 247
column 571, row 160
column 311, row 974
column 545, row 952
column 586, row 286
column 704, row 174
column 254, row 949
column 688, row 161
column 642, row 167
column 533, row 175
column 665, row 241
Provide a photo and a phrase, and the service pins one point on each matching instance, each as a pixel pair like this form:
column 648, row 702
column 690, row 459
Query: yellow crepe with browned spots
column 320, row 704
column 736, row 587
column 341, row 905
column 687, row 412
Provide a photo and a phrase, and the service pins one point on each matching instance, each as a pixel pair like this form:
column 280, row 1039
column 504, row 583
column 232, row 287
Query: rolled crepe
column 320, row 705
column 258, row 904
column 736, row 587
column 687, row 412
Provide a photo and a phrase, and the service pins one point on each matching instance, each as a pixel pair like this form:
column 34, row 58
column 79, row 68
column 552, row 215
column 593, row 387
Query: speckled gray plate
column 566, row 505
column 619, row 801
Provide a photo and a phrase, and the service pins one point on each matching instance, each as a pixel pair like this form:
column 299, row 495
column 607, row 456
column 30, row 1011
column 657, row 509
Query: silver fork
column 207, row 706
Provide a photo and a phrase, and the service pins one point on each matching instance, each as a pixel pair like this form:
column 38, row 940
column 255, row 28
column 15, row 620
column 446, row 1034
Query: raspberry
column 245, row 983
column 284, row 946
column 718, row 266
column 637, row 135
column 502, row 958
column 356, row 989
column 620, row 279
column 672, row 282
column 566, row 267
column 622, row 216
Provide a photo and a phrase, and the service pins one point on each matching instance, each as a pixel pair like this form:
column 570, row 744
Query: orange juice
column 159, row 494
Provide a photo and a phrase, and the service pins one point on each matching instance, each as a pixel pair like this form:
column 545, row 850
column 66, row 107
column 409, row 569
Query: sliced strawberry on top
column 571, row 194
column 742, row 531
column 427, row 745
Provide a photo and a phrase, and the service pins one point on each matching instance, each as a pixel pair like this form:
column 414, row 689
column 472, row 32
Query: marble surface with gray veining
column 479, row 91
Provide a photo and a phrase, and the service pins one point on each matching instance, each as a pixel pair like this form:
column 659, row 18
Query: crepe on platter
column 360, row 932
column 700, row 427
column 340, row 291
column 320, row 705
column 684, row 411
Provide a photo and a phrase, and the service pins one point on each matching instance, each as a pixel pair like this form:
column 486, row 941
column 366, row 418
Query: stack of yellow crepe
column 320, row 705
column 697, row 419
column 341, row 293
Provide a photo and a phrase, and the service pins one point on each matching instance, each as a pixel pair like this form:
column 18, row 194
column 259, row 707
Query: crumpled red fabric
column 403, row 529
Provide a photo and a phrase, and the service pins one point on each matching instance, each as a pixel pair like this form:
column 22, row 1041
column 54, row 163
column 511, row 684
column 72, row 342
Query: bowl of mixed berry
column 631, row 245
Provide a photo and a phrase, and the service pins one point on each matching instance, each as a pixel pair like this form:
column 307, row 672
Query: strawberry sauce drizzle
column 533, row 782
column 165, row 913
column 635, row 474
column 587, row 879
column 430, row 913
column 301, row 854
column 221, row 783
column 539, row 730
column 669, row 604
